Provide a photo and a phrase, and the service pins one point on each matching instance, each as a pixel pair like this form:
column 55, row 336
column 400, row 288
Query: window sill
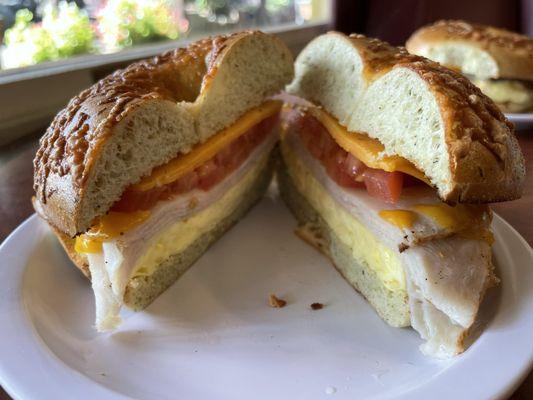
column 30, row 96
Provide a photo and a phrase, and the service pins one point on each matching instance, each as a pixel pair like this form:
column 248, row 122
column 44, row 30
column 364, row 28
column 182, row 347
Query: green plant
column 70, row 29
column 63, row 32
column 27, row 43
column 123, row 23
column 275, row 6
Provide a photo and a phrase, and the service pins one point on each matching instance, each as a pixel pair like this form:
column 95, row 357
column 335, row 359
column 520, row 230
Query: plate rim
column 19, row 389
column 521, row 116
column 521, row 121
column 9, row 379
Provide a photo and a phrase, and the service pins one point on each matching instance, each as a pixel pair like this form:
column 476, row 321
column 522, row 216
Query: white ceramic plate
column 521, row 121
column 212, row 335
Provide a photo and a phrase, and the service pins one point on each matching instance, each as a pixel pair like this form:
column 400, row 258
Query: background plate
column 212, row 334
column 521, row 121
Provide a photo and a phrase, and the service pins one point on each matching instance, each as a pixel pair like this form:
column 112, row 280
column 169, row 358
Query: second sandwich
column 388, row 168
column 498, row 61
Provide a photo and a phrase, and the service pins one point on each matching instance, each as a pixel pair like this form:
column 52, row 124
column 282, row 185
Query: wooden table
column 16, row 189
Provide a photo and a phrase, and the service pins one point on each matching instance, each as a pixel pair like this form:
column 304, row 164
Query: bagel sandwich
column 498, row 61
column 389, row 161
column 144, row 170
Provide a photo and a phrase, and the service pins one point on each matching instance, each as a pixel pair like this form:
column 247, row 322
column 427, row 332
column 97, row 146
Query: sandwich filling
column 171, row 208
column 510, row 94
column 435, row 255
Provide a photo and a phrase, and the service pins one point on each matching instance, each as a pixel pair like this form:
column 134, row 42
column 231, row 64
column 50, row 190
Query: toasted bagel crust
column 485, row 161
column 512, row 52
column 71, row 142
column 175, row 93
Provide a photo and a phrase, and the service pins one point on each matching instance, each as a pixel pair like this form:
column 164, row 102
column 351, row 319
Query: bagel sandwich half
column 141, row 172
column 388, row 165
column 498, row 61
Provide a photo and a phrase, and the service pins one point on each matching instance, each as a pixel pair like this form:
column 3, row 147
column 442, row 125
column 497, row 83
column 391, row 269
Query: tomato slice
column 209, row 174
column 338, row 168
column 205, row 176
column 316, row 138
column 344, row 168
column 185, row 184
column 410, row 181
column 386, row 186
column 134, row 200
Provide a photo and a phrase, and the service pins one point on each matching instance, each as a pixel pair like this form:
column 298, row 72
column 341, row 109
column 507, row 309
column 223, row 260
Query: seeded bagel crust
column 118, row 130
column 512, row 52
column 463, row 143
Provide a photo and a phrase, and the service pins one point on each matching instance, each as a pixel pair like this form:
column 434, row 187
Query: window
column 36, row 32
column 54, row 49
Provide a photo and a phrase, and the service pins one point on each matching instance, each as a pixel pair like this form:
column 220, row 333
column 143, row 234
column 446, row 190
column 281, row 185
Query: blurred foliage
column 216, row 6
column 64, row 31
column 70, row 29
column 275, row 6
column 123, row 23
column 27, row 43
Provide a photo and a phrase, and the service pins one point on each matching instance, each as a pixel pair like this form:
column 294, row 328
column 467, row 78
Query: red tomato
column 209, row 174
column 224, row 155
column 354, row 167
column 337, row 169
column 314, row 136
column 409, row 181
column 344, row 168
column 205, row 176
column 264, row 128
column 386, row 186
column 184, row 184
column 329, row 146
column 239, row 152
column 135, row 200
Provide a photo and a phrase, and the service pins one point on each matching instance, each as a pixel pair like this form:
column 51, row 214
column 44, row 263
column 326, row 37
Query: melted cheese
column 365, row 148
column 403, row 219
column 503, row 91
column 183, row 164
column 447, row 217
column 465, row 220
column 108, row 227
column 453, row 219
column 366, row 248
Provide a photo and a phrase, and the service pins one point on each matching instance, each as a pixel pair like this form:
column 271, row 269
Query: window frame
column 30, row 96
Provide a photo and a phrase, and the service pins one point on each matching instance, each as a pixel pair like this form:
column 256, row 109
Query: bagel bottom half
column 391, row 305
column 142, row 290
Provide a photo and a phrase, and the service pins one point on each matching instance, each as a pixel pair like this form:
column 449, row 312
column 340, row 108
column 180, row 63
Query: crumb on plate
column 275, row 302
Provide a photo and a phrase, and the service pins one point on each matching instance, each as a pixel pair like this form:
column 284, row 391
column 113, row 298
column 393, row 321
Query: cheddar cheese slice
column 185, row 163
column 107, row 227
column 368, row 150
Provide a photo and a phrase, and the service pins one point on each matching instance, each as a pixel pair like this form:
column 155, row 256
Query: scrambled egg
column 505, row 91
column 366, row 248
column 183, row 233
